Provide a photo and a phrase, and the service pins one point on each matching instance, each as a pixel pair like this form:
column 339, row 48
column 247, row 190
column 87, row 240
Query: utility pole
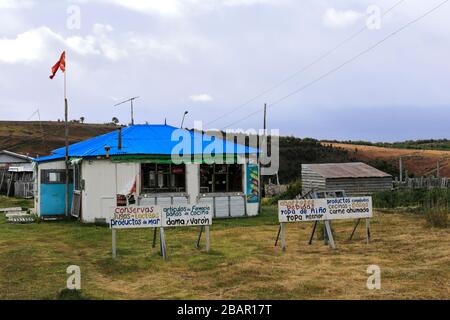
column 259, row 158
column 131, row 105
column 400, row 167
column 265, row 117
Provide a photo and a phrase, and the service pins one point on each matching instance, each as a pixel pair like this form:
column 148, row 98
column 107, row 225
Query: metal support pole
column 66, row 134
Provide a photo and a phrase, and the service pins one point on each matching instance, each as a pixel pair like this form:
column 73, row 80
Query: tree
column 115, row 120
column 82, row 119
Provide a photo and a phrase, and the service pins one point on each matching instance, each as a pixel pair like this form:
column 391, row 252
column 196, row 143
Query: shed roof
column 346, row 170
column 144, row 139
column 22, row 157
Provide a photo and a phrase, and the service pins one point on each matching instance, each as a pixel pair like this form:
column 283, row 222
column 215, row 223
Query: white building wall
column 103, row 180
column 193, row 181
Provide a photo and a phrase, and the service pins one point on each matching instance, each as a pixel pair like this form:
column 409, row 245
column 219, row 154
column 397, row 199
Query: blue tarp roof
column 141, row 139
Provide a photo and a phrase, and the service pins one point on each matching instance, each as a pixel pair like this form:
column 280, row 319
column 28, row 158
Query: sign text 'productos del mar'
column 161, row 216
column 324, row 209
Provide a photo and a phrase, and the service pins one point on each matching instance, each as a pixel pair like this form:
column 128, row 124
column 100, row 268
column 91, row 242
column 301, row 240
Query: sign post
column 330, row 238
column 207, row 238
column 189, row 215
column 283, row 236
column 113, row 234
column 367, row 231
column 132, row 218
column 162, row 243
column 326, row 210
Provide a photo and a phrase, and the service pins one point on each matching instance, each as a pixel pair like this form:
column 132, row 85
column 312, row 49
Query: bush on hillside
column 293, row 189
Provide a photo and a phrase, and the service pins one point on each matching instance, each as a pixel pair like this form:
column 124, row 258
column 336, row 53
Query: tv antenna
column 40, row 123
column 131, row 104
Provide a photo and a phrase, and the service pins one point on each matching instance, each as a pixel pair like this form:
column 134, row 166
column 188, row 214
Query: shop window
column 55, row 176
column 220, row 178
column 160, row 178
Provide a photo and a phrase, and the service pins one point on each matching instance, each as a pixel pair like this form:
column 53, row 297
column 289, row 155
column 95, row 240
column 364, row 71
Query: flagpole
column 66, row 138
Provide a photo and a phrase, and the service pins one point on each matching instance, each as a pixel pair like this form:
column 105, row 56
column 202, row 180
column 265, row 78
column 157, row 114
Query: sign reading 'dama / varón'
column 186, row 215
column 324, row 209
column 132, row 217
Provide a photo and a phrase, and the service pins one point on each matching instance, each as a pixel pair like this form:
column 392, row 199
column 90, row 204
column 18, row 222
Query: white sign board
column 186, row 215
column 135, row 217
column 324, row 209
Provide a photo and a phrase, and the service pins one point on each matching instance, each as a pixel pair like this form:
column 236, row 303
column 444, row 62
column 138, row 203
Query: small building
column 355, row 178
column 16, row 174
column 136, row 165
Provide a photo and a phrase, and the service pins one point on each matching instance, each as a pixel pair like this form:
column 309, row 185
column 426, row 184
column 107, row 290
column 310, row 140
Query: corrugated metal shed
column 356, row 178
column 143, row 140
column 346, row 170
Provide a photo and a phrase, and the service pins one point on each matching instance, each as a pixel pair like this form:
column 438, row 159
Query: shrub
column 437, row 217
column 68, row 294
column 293, row 189
column 409, row 197
column 433, row 204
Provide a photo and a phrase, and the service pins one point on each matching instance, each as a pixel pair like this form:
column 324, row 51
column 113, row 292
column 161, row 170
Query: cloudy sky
column 211, row 57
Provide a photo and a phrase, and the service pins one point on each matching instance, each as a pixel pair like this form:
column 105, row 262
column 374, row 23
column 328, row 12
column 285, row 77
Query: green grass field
column 243, row 262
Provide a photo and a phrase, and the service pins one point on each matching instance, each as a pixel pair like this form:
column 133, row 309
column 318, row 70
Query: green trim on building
column 165, row 159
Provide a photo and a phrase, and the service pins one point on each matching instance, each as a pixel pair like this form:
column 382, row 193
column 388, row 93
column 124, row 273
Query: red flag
column 61, row 64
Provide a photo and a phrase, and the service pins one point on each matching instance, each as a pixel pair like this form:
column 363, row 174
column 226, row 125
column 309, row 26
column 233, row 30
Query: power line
column 304, row 68
column 342, row 64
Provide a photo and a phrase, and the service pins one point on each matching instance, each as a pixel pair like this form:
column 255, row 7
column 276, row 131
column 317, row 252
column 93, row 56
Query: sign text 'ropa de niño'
column 324, row 209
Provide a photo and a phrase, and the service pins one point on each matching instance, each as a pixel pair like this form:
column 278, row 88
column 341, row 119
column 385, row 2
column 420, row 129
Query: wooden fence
column 8, row 183
column 424, row 183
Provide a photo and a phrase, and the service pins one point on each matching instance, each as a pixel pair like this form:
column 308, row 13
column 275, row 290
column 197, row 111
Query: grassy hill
column 428, row 144
column 295, row 151
column 39, row 138
column 418, row 162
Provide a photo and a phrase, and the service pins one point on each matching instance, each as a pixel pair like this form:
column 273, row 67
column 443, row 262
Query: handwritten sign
column 135, row 217
column 324, row 209
column 186, row 215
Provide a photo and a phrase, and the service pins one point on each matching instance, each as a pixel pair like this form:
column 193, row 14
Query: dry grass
column 423, row 161
column 243, row 263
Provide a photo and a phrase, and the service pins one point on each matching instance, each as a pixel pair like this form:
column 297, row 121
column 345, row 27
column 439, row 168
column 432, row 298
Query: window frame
column 157, row 190
column 45, row 176
column 227, row 177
